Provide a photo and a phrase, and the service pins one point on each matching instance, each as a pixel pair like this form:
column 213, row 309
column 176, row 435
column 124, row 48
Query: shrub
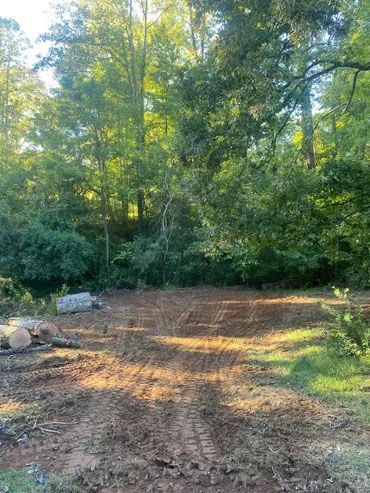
column 7, row 288
column 51, row 254
column 350, row 334
column 14, row 299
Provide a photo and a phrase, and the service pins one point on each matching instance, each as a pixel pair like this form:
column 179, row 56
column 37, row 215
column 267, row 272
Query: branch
column 352, row 90
column 159, row 16
column 346, row 105
column 333, row 110
column 360, row 67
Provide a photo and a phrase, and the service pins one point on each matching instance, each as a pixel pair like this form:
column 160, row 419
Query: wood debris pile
column 26, row 334
column 20, row 333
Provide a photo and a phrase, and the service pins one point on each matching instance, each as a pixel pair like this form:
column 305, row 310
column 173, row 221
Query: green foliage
column 300, row 359
column 7, row 288
column 350, row 334
column 37, row 252
column 48, row 254
column 222, row 142
column 62, row 291
column 14, row 299
column 21, row 481
column 144, row 262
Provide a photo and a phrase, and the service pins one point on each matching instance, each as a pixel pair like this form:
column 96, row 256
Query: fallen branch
column 64, row 342
column 8, row 352
column 47, row 430
column 53, row 423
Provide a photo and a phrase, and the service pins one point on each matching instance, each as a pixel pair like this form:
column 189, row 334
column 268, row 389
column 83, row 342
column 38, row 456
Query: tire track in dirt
column 189, row 432
column 104, row 408
column 200, row 356
column 109, row 404
column 43, row 380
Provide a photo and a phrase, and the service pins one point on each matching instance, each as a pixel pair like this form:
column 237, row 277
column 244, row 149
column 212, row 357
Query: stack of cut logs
column 21, row 332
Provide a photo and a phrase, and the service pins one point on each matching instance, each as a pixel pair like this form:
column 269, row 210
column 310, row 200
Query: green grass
column 20, row 481
column 303, row 361
column 171, row 288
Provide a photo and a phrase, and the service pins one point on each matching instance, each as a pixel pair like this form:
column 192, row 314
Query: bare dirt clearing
column 163, row 399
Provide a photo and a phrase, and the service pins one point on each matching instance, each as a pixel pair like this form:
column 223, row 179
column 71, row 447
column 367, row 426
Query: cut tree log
column 24, row 322
column 65, row 342
column 81, row 302
column 46, row 331
column 43, row 331
column 14, row 337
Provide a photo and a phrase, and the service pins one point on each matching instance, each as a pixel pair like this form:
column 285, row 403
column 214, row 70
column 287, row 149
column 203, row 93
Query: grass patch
column 302, row 360
column 23, row 481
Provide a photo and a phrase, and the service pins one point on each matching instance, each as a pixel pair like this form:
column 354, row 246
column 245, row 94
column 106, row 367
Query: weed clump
column 350, row 333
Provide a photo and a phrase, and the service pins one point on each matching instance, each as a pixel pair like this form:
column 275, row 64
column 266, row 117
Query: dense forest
column 188, row 142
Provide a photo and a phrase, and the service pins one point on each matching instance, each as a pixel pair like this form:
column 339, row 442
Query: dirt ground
column 162, row 399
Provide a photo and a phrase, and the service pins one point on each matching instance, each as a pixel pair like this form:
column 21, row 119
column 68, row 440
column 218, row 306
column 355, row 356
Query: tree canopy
column 188, row 142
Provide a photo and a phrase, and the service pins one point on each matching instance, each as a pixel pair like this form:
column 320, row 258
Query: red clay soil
column 162, row 399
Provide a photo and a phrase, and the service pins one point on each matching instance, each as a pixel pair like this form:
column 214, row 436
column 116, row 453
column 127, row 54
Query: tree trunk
column 335, row 134
column 192, row 29
column 307, row 128
column 104, row 201
column 14, row 337
column 71, row 303
column 43, row 331
column 140, row 210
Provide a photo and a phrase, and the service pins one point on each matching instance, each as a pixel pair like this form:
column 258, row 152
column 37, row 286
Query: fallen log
column 14, row 337
column 9, row 352
column 65, row 342
column 46, row 331
column 43, row 331
column 81, row 302
column 24, row 322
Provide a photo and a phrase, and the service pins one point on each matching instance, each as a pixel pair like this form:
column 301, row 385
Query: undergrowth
column 16, row 300
column 350, row 333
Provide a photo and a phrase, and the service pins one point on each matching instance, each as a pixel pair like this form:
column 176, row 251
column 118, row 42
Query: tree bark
column 14, row 337
column 42, row 331
column 307, row 128
column 81, row 302
column 64, row 342
column 141, row 122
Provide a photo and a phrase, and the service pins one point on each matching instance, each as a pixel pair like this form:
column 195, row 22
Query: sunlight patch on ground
column 301, row 358
column 299, row 300
column 206, row 345
column 9, row 407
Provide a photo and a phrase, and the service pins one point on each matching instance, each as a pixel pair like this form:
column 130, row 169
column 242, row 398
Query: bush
column 14, row 299
column 7, row 288
column 52, row 254
column 350, row 334
column 142, row 262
